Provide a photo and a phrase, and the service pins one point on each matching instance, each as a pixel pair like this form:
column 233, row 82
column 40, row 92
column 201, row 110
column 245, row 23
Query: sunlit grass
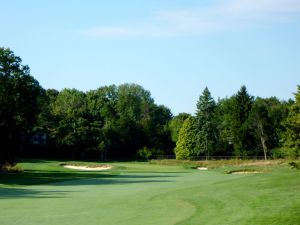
column 157, row 192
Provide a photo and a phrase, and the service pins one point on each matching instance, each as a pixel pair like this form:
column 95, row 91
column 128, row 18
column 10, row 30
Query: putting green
column 143, row 193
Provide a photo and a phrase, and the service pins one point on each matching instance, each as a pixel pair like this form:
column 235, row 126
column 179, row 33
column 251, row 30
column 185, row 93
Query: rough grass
column 8, row 168
column 159, row 192
column 218, row 163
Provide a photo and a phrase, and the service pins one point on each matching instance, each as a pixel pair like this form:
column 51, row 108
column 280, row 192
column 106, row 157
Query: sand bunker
column 245, row 172
column 88, row 168
column 202, row 168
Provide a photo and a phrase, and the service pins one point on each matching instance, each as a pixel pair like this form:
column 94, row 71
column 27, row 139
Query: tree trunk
column 263, row 140
column 206, row 149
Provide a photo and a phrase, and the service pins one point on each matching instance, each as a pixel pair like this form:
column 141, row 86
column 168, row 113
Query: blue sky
column 173, row 48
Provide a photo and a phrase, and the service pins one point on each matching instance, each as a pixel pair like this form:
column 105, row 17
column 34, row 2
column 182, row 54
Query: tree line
column 240, row 126
column 122, row 122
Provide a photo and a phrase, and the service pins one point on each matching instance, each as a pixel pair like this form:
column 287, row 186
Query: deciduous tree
column 19, row 104
column 176, row 123
column 291, row 137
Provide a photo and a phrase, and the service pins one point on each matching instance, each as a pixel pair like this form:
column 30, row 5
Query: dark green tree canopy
column 70, row 110
column 243, row 105
column 205, row 105
column 133, row 101
column 206, row 126
column 291, row 138
column 19, row 100
column 121, row 121
column 176, row 123
column 266, row 122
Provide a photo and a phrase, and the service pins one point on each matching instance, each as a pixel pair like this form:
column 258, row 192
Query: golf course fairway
column 141, row 193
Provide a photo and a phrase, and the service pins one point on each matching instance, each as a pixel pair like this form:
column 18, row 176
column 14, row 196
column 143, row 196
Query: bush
column 9, row 168
column 295, row 165
column 278, row 153
column 291, row 153
column 144, row 153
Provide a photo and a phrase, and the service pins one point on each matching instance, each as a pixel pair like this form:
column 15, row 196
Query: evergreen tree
column 225, row 121
column 206, row 127
column 186, row 144
column 242, row 139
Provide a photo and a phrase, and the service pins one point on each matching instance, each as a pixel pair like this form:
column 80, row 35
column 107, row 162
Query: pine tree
column 206, row 127
column 240, row 129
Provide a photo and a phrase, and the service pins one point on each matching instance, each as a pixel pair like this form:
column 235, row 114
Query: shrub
column 291, row 153
column 144, row 153
column 9, row 168
column 277, row 153
column 295, row 165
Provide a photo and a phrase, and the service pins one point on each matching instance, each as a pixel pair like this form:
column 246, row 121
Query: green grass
column 158, row 192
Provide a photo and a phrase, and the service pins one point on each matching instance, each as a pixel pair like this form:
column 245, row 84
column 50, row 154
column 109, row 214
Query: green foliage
column 102, row 102
column 176, row 123
column 206, row 126
column 242, row 107
column 69, row 109
column 259, row 121
column 225, row 121
column 119, row 121
column 157, row 130
column 144, row 153
column 46, row 119
column 278, row 153
column 265, row 121
column 234, row 113
column 20, row 96
column 295, row 165
column 186, row 144
column 9, row 168
column 285, row 152
column 109, row 122
column 291, row 138
column 133, row 101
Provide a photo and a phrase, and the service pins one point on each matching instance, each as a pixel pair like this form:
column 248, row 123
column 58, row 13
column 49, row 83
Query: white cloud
column 219, row 16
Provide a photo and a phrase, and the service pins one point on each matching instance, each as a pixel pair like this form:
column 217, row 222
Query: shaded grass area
column 38, row 172
column 33, row 177
column 43, row 172
column 21, row 193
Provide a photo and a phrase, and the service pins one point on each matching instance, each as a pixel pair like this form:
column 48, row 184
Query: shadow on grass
column 8, row 193
column 32, row 177
column 13, row 182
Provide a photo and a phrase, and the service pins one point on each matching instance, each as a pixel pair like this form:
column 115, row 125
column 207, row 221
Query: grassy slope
column 142, row 193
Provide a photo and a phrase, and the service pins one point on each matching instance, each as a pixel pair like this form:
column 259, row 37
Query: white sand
column 87, row 168
column 202, row 168
column 246, row 172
